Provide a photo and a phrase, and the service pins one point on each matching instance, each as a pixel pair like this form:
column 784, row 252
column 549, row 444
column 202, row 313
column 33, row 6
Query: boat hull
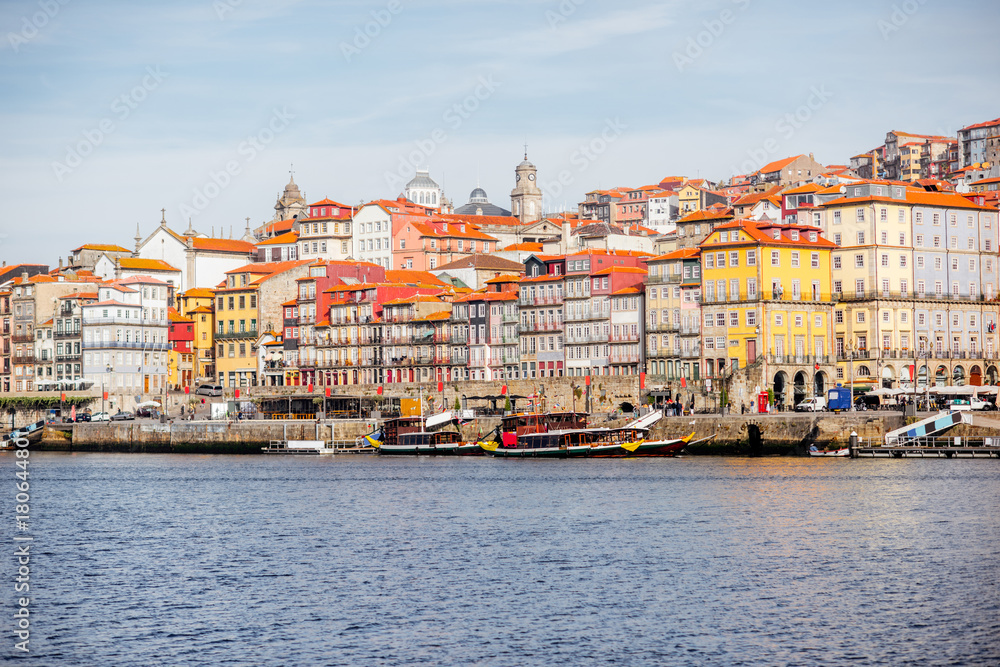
column 841, row 453
column 651, row 448
column 448, row 449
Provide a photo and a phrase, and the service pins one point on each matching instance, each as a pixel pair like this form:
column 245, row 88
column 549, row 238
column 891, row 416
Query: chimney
column 565, row 237
column 60, row 262
column 24, row 276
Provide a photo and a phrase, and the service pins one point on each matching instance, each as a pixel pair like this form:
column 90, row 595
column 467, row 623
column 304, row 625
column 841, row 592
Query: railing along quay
column 930, row 447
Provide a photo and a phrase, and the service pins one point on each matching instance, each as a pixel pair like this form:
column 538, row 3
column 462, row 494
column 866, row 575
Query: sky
column 114, row 110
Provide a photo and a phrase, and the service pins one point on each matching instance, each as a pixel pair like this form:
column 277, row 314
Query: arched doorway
column 975, row 375
column 888, row 376
column 819, row 383
column 941, row 376
column 922, row 376
column 991, row 375
column 799, row 388
column 780, row 385
column 958, row 376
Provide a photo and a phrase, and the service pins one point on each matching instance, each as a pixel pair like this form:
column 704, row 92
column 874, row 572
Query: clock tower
column 526, row 197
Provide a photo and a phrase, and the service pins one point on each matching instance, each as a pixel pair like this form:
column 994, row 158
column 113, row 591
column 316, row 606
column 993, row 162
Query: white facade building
column 662, row 211
column 125, row 340
column 373, row 235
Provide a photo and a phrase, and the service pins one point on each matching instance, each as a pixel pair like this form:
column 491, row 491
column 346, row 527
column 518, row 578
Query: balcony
column 802, row 359
column 441, row 337
column 624, row 359
column 23, row 338
column 663, row 327
column 22, row 359
column 594, row 338
column 68, row 357
column 554, row 300
column 231, row 335
column 509, row 317
column 625, row 338
column 531, row 327
column 119, row 345
column 70, row 333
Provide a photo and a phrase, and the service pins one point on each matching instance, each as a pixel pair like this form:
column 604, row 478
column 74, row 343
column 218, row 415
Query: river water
column 221, row 560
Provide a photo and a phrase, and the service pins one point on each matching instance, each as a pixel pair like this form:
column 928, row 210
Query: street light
column 108, row 370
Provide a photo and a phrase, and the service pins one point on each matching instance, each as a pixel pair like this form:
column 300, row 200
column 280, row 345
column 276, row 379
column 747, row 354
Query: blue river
column 358, row 560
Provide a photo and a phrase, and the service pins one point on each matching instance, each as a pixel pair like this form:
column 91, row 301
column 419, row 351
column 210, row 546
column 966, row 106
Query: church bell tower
column 526, row 197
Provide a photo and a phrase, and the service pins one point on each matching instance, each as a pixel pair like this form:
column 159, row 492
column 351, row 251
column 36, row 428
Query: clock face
column 531, row 177
column 517, row 177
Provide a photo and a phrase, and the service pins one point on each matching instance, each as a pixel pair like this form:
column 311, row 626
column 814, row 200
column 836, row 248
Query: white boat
column 814, row 451
column 297, row 447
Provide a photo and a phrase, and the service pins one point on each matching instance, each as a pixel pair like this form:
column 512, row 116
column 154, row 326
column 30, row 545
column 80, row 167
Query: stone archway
column 940, row 376
column 888, row 376
column 799, row 388
column 819, row 384
column 958, row 376
column 991, row 375
column 976, row 375
column 780, row 387
column 922, row 376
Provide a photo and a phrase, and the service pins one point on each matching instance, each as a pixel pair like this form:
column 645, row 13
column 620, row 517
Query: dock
column 931, row 447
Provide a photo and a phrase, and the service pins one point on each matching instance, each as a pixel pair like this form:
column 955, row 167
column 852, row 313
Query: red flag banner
column 310, row 387
column 684, row 382
column 503, row 390
column 105, row 396
column 440, row 386
column 237, row 393
column 62, row 396
column 328, row 392
column 380, row 390
column 642, row 380
column 187, row 390
column 586, row 380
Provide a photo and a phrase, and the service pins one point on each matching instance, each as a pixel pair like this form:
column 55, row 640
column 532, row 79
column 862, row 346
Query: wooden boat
column 814, row 451
column 516, row 425
column 589, row 442
column 407, row 436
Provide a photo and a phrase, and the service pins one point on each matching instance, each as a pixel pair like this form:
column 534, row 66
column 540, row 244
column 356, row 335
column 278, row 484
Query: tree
column 458, row 404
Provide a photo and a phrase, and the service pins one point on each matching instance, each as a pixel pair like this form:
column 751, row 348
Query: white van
column 209, row 390
column 816, row 404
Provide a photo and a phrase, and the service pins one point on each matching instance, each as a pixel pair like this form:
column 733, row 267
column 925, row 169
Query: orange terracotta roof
column 269, row 268
column 139, row 264
column 196, row 292
column 407, row 276
column 223, row 245
column 683, row 253
column 778, row 165
column 548, row 278
column 529, row 247
column 287, row 237
column 435, row 317
column 101, row 247
column 626, row 290
column 329, row 202
column 698, row 216
column 761, row 233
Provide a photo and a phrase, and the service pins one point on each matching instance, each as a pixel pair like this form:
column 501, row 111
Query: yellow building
column 199, row 305
column 766, row 303
column 249, row 303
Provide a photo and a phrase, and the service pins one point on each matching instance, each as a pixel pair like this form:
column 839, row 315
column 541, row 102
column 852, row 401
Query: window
column 860, row 316
column 885, row 260
column 836, row 261
column 884, row 237
column 838, row 287
column 775, row 258
column 795, row 259
column 836, row 217
column 936, row 219
column 709, row 261
column 861, row 238
column 883, row 214
column 402, row 244
column 720, row 260
column 859, row 261
column 900, row 216
column 859, row 215
column 836, row 239
column 751, row 258
column 902, row 261
column 938, row 264
column 838, row 316
column 814, row 260
column 734, row 318
column 920, row 261
column 752, row 318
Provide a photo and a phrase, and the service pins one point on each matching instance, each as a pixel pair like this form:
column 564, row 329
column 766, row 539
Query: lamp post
column 108, row 370
column 850, row 347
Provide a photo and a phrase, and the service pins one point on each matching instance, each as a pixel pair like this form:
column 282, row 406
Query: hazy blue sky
column 114, row 110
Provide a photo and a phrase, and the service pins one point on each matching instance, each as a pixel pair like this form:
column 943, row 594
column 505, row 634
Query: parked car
column 100, row 417
column 209, row 390
column 816, row 404
column 964, row 404
column 145, row 412
column 122, row 416
column 80, row 417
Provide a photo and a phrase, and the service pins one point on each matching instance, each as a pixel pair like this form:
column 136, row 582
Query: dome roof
column 422, row 180
column 478, row 196
column 292, row 190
